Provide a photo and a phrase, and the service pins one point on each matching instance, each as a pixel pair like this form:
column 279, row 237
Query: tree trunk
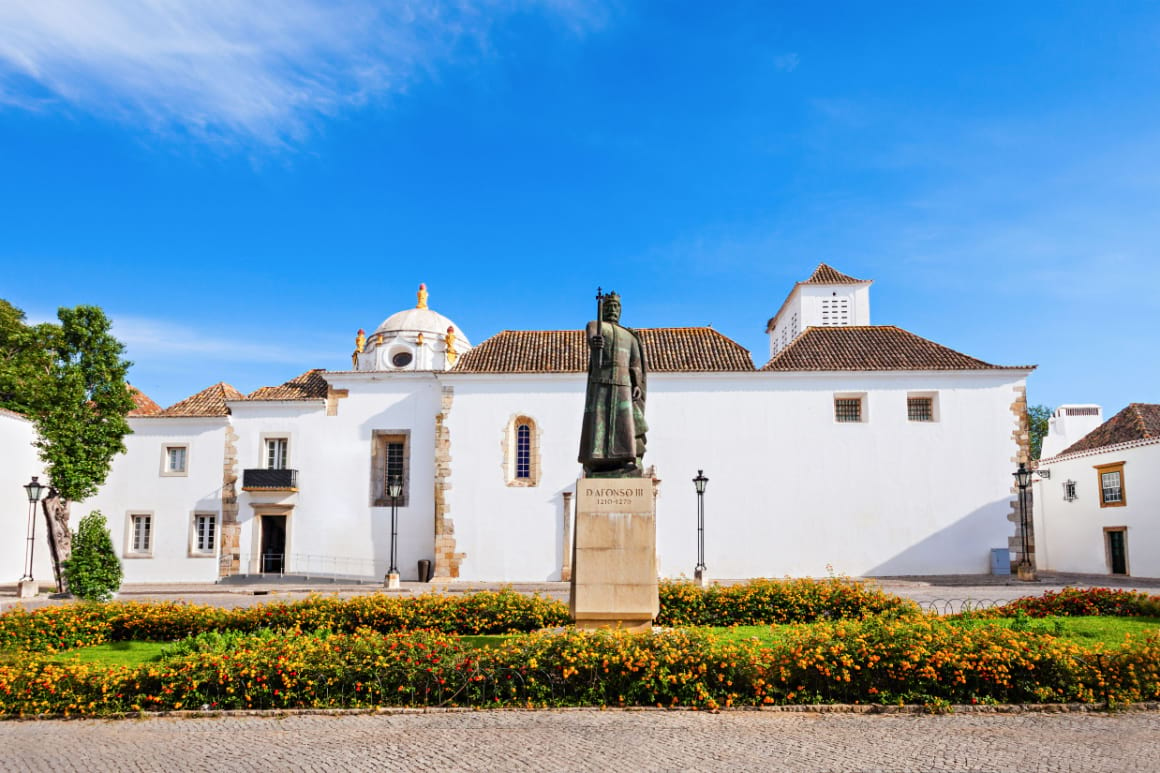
column 56, row 512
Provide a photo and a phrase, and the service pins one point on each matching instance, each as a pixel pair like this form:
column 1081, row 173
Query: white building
column 862, row 449
column 1097, row 499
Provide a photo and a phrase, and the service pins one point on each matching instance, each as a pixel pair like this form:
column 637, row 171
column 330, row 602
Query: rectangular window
column 848, row 409
column 920, row 408
column 1111, row 480
column 204, row 533
column 390, row 456
column 276, row 457
column 175, row 459
column 523, row 451
column 140, row 533
column 1069, row 491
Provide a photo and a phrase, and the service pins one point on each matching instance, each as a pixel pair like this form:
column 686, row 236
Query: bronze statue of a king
column 612, row 440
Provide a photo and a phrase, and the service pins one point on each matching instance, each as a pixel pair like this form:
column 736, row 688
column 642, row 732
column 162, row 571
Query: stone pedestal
column 614, row 564
column 27, row 589
column 393, row 581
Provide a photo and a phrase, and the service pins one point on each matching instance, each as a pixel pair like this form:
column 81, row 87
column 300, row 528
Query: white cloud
column 157, row 340
column 234, row 71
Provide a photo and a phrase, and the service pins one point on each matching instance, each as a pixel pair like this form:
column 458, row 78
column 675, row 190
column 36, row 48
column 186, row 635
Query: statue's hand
column 596, row 342
column 637, row 394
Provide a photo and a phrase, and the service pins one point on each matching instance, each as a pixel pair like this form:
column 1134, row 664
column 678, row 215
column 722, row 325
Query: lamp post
column 34, row 489
column 394, row 491
column 699, row 482
column 1023, row 480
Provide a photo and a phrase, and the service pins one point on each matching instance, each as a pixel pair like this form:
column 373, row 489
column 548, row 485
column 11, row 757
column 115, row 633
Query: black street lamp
column 394, row 491
column 34, row 489
column 699, row 482
column 1023, row 481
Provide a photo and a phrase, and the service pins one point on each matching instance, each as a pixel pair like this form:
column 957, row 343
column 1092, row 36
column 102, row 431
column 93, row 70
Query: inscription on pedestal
column 614, row 570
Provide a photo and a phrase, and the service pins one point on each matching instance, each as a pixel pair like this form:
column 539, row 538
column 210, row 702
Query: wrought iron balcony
column 269, row 480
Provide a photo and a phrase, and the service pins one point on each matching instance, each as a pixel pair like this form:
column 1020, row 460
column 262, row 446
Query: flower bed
column 1082, row 602
column 52, row 629
column 769, row 602
column 923, row 660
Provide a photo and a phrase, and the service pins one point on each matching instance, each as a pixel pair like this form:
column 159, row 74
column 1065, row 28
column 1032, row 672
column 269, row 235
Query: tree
column 1037, row 422
column 93, row 570
column 69, row 378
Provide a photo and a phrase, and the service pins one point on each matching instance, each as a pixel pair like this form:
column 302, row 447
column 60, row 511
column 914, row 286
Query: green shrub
column 1081, row 602
column 775, row 602
column 92, row 570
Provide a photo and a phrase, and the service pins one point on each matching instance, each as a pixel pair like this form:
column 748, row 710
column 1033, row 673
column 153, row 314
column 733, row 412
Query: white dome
column 425, row 321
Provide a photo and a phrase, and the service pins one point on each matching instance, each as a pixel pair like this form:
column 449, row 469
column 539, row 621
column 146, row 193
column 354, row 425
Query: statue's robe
column 613, row 433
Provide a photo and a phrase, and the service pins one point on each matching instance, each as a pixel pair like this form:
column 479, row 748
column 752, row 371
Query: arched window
column 521, row 451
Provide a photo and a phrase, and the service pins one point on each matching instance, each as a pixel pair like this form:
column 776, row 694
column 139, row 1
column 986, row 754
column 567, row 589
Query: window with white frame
column 277, row 449
column 139, row 539
column 175, row 459
column 521, row 451
column 203, row 537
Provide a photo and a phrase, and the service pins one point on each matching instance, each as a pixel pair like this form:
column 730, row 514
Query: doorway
column 1116, row 543
column 272, row 558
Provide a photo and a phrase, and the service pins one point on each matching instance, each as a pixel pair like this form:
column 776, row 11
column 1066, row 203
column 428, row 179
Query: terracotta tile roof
column 210, row 401
column 667, row 349
column 826, row 275
column 866, row 347
column 1139, row 421
column 309, row 386
column 144, row 406
column 13, row 414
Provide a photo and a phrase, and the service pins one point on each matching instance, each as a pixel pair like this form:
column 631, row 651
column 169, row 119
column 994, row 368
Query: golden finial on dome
column 449, row 340
column 422, row 297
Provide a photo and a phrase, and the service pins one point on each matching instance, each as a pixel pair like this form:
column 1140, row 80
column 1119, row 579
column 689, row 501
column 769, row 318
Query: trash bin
column 425, row 570
column 1000, row 561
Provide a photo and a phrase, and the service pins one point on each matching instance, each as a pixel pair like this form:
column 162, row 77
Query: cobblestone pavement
column 593, row 740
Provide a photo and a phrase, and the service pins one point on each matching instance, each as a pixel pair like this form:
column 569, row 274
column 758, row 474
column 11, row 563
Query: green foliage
column 1080, row 602
column 93, row 570
column 925, row 660
column 775, row 601
column 1037, row 421
column 81, row 403
column 56, row 628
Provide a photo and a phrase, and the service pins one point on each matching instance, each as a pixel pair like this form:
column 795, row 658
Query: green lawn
column 117, row 653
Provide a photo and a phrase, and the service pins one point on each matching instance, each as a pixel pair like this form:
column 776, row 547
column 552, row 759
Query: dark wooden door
column 273, row 544
column 1117, row 552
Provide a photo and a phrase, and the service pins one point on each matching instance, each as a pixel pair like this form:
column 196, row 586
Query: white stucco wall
column 136, row 485
column 334, row 528
column 19, row 461
column 1069, row 536
column 791, row 491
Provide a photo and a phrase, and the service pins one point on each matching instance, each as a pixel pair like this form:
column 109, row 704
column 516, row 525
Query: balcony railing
column 269, row 480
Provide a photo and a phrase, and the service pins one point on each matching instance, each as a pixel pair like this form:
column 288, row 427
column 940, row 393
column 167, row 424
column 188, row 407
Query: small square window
column 175, row 459
column 848, row 409
column 140, row 537
column 920, row 408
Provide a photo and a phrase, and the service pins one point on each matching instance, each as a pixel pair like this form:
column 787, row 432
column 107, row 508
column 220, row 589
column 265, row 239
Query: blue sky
column 241, row 186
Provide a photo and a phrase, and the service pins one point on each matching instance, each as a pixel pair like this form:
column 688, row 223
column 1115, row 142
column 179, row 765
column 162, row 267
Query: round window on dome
column 401, row 359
